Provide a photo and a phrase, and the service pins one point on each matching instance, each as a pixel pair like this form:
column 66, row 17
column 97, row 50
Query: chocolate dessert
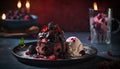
column 50, row 41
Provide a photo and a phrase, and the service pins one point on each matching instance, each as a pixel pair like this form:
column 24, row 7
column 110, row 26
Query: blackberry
column 32, row 49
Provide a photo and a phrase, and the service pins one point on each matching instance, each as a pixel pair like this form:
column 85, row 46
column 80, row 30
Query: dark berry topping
column 82, row 52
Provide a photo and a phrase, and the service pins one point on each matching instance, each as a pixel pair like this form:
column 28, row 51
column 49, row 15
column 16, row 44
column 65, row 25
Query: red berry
column 52, row 57
column 27, row 17
column 89, row 38
column 45, row 28
column 73, row 39
column 27, row 53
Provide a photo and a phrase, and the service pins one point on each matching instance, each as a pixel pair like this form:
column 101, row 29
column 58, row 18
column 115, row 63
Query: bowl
column 19, row 24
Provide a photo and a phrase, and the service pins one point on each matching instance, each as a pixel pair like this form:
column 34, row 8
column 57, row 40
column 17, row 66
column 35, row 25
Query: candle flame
column 3, row 16
column 27, row 4
column 19, row 4
column 95, row 6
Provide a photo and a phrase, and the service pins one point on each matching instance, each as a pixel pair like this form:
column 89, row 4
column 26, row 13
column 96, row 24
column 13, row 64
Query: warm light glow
column 95, row 6
column 19, row 4
column 27, row 4
column 3, row 16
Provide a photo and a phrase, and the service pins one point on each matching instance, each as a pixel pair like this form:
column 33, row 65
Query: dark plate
column 18, row 52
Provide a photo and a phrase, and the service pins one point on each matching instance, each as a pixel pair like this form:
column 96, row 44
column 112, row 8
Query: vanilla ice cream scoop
column 75, row 46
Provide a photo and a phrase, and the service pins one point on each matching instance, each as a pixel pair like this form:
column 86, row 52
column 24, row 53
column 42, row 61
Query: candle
column 28, row 6
column 19, row 5
column 3, row 16
column 95, row 6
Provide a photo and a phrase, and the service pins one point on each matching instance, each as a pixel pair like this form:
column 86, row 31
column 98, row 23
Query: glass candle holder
column 100, row 25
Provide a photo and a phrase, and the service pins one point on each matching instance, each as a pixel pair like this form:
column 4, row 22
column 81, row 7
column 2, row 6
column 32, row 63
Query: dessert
column 51, row 41
column 100, row 26
column 51, row 44
column 100, row 23
column 18, row 15
column 19, row 20
column 75, row 47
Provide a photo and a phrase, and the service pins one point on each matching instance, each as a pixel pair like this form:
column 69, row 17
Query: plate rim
column 56, row 62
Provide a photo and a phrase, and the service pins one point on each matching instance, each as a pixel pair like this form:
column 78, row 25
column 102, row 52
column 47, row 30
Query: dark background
column 71, row 15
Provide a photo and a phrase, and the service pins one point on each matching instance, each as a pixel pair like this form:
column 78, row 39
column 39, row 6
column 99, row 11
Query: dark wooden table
column 8, row 61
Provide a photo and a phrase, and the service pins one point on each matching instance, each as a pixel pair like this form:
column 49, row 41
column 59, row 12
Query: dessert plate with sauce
column 19, row 53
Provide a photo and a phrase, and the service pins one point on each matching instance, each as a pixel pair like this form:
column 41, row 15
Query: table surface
column 8, row 61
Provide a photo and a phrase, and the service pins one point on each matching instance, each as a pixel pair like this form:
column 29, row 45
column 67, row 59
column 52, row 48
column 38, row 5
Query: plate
column 18, row 52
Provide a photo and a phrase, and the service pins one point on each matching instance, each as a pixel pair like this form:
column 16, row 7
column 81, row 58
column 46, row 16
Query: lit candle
column 19, row 5
column 28, row 6
column 95, row 6
column 3, row 16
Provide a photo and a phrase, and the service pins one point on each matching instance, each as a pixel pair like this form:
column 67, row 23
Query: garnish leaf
column 22, row 42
